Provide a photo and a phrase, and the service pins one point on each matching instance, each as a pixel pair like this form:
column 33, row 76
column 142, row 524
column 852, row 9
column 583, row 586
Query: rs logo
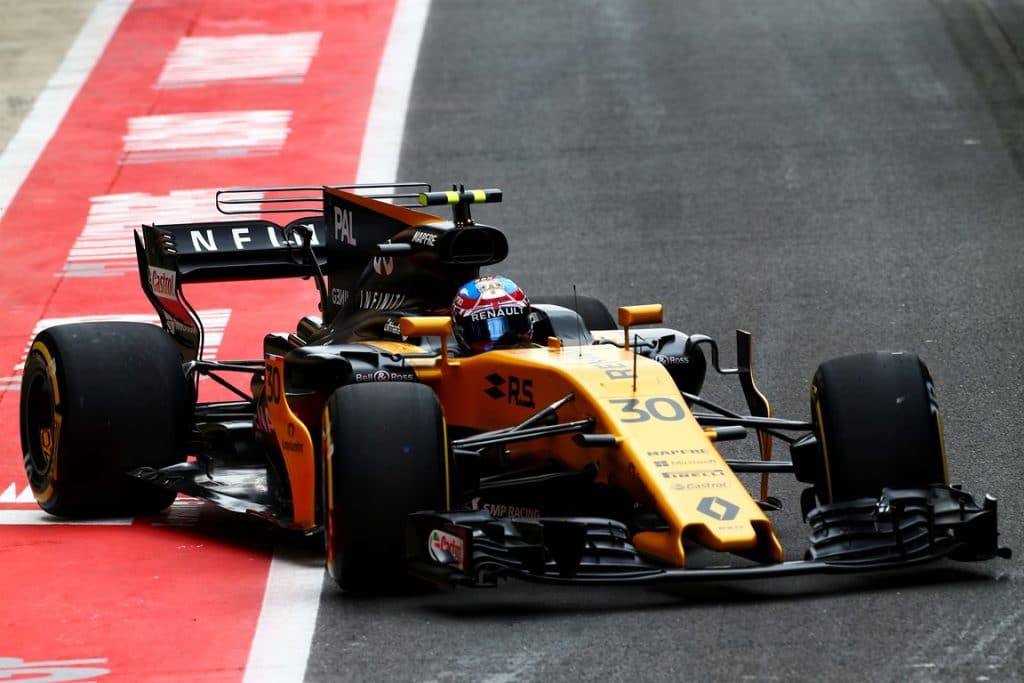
column 520, row 391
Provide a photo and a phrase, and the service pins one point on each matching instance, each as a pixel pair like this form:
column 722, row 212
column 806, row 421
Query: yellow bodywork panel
column 296, row 447
column 428, row 325
column 662, row 455
column 643, row 314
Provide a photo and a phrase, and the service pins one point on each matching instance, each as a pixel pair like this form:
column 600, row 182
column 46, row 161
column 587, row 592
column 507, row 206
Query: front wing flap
column 904, row 527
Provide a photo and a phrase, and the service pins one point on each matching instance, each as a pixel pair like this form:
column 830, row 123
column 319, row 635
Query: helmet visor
column 484, row 335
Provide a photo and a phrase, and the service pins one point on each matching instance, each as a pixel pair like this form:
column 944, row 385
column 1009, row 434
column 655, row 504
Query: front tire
column 97, row 401
column 877, row 424
column 386, row 456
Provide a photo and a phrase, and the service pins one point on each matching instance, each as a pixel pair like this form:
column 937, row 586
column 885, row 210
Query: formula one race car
column 588, row 456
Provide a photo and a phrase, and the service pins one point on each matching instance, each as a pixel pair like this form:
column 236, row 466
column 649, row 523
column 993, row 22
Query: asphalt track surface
column 832, row 176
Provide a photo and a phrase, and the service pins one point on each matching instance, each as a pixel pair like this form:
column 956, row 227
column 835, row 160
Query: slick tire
column 594, row 313
column 386, row 456
column 99, row 400
column 877, row 424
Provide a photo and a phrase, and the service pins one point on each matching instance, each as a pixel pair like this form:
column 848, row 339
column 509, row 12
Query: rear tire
column 877, row 424
column 386, row 456
column 99, row 400
column 594, row 313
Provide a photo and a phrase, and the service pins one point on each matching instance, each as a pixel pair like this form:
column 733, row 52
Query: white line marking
column 385, row 125
column 66, row 670
column 279, row 58
column 215, row 320
column 9, row 495
column 106, row 246
column 184, row 512
column 205, row 135
column 292, row 597
column 284, row 631
column 26, row 496
column 40, row 518
column 38, row 128
column 14, row 662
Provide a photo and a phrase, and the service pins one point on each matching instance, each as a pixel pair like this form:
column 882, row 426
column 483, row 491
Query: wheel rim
column 40, row 430
column 327, row 441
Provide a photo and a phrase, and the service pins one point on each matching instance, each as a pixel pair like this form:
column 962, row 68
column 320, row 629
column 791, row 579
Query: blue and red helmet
column 491, row 312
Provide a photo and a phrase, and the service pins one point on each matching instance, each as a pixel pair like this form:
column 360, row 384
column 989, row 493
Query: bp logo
column 718, row 508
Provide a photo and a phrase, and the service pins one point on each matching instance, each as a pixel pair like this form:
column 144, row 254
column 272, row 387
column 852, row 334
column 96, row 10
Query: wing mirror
column 428, row 326
column 644, row 314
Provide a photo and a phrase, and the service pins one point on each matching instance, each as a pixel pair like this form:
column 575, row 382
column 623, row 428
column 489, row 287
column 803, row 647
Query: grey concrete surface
column 34, row 37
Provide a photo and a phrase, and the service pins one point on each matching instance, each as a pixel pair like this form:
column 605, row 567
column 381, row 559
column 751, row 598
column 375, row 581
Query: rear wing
column 384, row 256
column 378, row 251
column 256, row 249
column 216, row 251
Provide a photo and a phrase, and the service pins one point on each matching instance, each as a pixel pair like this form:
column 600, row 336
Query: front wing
column 904, row 527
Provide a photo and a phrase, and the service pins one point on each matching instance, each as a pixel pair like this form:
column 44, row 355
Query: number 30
column 659, row 407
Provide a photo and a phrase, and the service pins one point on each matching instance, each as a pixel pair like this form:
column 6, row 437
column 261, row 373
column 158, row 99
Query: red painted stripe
column 160, row 602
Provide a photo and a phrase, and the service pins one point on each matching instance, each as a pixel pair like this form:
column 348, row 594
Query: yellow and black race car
column 588, row 456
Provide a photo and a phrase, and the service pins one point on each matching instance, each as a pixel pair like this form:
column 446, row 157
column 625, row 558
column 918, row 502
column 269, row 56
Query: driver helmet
column 491, row 312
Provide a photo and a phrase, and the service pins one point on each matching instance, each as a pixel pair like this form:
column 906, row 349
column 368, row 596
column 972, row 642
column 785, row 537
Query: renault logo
column 718, row 508
column 496, row 381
